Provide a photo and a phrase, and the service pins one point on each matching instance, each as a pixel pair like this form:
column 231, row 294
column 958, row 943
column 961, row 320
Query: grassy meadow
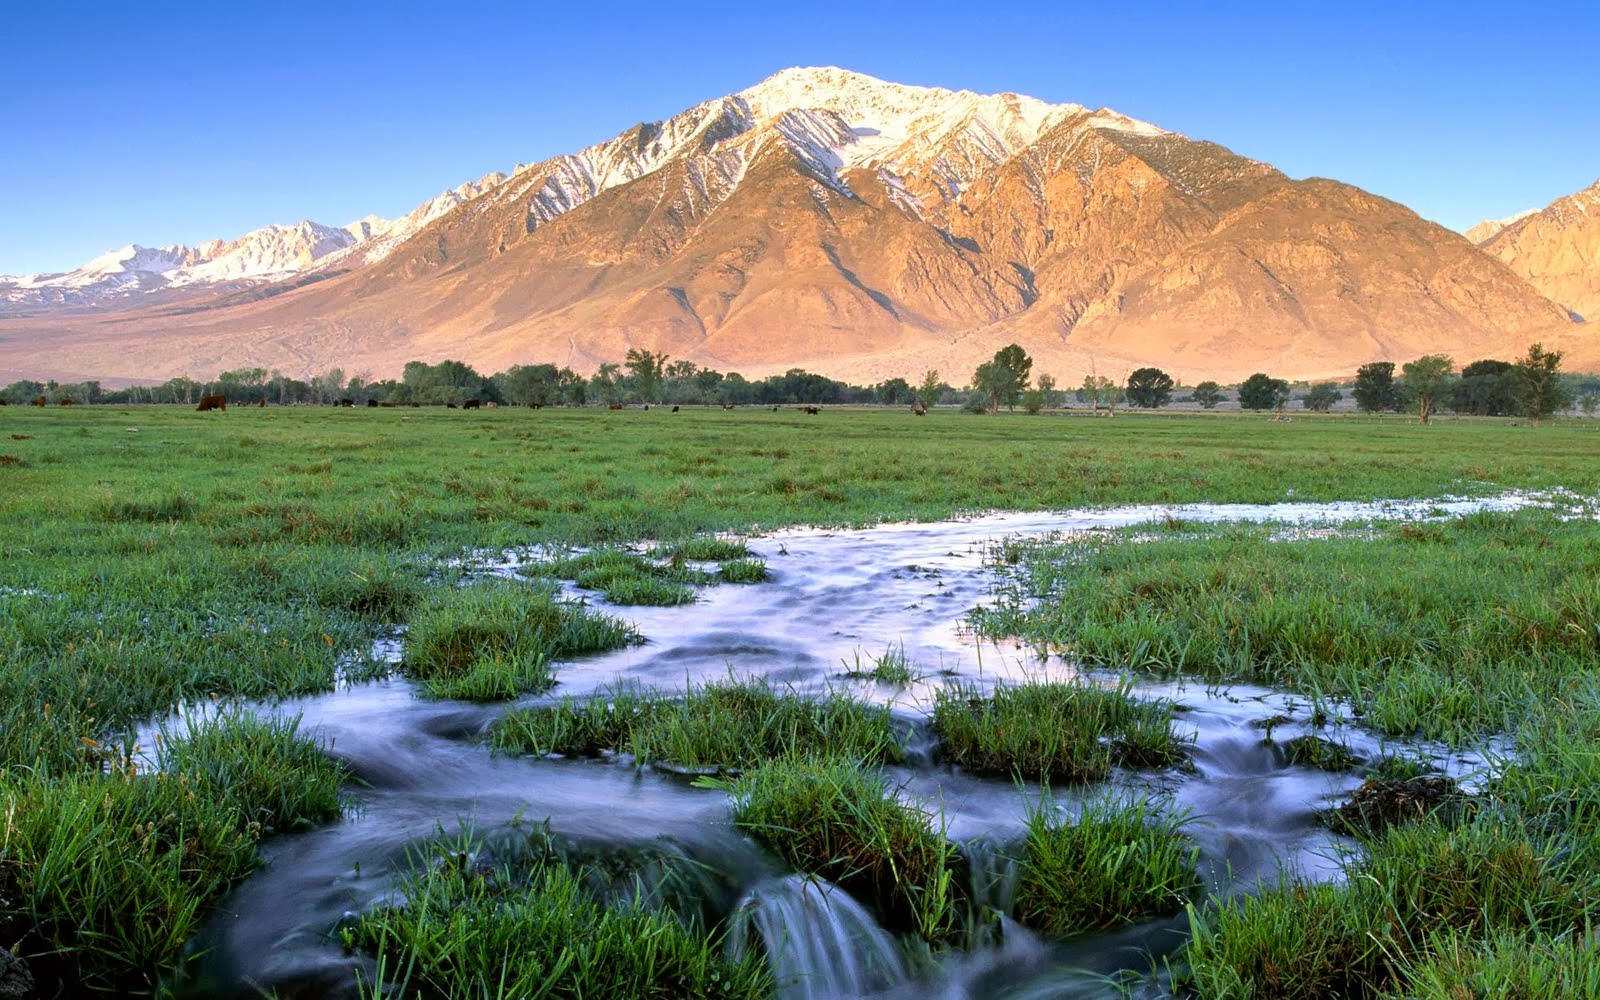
column 156, row 557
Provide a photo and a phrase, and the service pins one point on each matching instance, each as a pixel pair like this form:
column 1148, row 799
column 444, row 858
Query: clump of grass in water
column 1043, row 732
column 104, row 878
column 844, row 823
column 1418, row 886
column 274, row 777
column 727, row 725
column 493, row 641
column 744, row 571
column 499, row 933
column 1505, row 965
column 1320, row 753
column 627, row 578
column 1119, row 862
column 893, row 667
column 708, row 549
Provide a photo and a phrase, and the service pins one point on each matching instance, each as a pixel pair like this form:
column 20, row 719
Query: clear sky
column 173, row 123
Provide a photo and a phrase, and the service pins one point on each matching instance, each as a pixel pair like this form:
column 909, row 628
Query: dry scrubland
column 155, row 556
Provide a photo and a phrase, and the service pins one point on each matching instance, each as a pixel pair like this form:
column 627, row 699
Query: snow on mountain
column 1486, row 230
column 921, row 142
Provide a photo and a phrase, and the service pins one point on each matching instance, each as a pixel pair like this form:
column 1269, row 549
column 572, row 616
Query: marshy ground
column 469, row 682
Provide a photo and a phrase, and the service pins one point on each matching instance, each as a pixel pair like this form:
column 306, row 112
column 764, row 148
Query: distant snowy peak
column 1488, row 229
column 833, row 121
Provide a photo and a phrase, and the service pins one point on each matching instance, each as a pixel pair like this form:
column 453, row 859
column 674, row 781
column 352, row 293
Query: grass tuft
column 493, row 641
column 1073, row 732
column 1119, row 862
column 845, row 824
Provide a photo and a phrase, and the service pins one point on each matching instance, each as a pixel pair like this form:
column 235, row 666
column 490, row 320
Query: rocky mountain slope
column 860, row 228
column 1557, row 250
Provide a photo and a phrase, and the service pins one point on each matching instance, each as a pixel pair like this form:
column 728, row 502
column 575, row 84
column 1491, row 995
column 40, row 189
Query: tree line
column 1533, row 387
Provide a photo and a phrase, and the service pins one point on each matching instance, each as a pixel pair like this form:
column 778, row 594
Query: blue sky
column 180, row 122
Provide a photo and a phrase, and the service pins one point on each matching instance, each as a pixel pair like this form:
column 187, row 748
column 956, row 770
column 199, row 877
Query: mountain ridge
column 826, row 219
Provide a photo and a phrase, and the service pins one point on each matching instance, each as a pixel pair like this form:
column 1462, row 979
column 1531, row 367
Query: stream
column 836, row 600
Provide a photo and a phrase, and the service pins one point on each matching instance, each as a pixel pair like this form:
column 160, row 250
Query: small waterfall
column 819, row 942
column 992, row 874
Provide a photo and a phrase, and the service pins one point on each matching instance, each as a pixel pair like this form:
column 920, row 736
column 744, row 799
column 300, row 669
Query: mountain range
column 828, row 220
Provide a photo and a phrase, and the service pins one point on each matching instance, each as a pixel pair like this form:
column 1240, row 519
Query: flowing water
column 836, row 600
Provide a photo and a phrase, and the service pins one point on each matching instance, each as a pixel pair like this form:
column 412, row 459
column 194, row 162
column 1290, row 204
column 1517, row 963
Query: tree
column 646, row 369
column 1538, row 384
column 1208, row 394
column 1262, row 392
column 1047, row 389
column 1097, row 389
column 931, row 389
column 1588, row 403
column 1033, row 401
column 1004, row 377
column 1322, row 397
column 605, row 384
column 1149, row 387
column 1375, row 390
column 894, row 391
column 1426, row 379
column 1486, row 388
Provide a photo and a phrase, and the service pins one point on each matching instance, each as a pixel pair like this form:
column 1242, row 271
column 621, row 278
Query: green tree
column 646, row 369
column 1149, row 387
column 1322, row 397
column 931, row 388
column 894, row 391
column 1426, row 379
column 1486, row 388
column 1004, row 377
column 1588, row 403
column 605, row 385
column 1208, row 394
column 1033, row 401
column 1538, row 384
column 1047, row 388
column 1375, row 388
column 1263, row 392
column 1098, row 389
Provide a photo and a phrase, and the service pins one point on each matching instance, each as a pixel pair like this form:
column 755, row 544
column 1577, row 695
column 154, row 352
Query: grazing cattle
column 775, row 409
column 919, row 409
column 491, row 404
column 813, row 410
column 67, row 401
column 674, row 408
column 3, row 403
column 347, row 402
column 40, row 401
column 614, row 406
column 450, row 406
column 471, row 404
column 727, row 406
column 371, row 403
column 535, row 406
column 261, row 403
column 209, row 403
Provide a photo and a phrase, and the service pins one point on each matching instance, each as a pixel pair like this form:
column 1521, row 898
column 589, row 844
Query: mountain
column 1557, row 250
column 1489, row 228
column 864, row 229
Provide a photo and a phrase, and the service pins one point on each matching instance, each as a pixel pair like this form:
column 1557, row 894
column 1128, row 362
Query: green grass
column 728, row 725
column 104, row 878
column 743, row 571
column 847, row 825
column 1445, row 630
column 1320, row 753
column 471, row 932
column 496, row 640
column 1116, row 863
column 892, row 668
column 626, row 577
column 1420, row 885
column 708, row 549
column 257, row 556
column 1072, row 732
